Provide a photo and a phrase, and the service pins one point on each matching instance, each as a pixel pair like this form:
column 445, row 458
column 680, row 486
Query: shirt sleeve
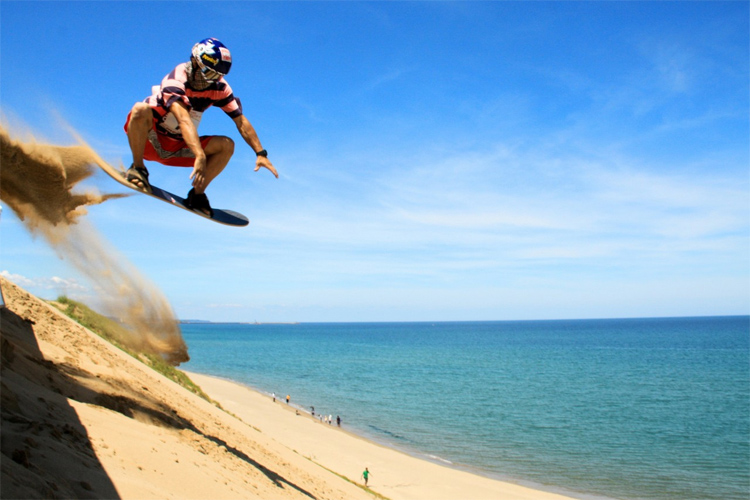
column 230, row 104
column 173, row 89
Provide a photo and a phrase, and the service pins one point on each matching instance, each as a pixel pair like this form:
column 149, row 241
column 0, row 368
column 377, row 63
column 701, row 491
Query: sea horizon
column 602, row 318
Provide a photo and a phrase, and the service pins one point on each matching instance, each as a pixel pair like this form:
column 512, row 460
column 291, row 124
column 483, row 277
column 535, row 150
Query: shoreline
column 395, row 473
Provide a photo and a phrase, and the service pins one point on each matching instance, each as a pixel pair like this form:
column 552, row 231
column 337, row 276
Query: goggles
column 208, row 73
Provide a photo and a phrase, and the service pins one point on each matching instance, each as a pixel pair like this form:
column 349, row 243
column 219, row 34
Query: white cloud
column 18, row 279
column 387, row 77
column 437, row 218
column 672, row 64
column 63, row 286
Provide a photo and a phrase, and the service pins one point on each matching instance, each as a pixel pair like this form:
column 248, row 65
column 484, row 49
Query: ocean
column 623, row 408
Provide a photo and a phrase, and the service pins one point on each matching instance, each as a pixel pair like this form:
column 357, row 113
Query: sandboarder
column 163, row 128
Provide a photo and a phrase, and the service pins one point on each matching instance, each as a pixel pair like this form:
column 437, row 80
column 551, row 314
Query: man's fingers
column 268, row 166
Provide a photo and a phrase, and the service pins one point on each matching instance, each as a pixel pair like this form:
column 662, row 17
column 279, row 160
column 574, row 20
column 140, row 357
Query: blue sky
column 437, row 160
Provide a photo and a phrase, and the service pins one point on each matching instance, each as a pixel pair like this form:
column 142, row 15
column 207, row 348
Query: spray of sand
column 36, row 182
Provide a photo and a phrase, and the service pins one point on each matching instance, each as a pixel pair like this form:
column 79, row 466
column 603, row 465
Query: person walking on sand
column 164, row 127
column 274, row 397
column 366, row 475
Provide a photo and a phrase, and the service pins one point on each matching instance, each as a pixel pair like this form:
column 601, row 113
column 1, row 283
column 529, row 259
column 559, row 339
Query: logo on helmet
column 210, row 59
column 202, row 48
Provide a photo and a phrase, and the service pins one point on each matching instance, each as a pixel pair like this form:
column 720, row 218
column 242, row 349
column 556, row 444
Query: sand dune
column 83, row 419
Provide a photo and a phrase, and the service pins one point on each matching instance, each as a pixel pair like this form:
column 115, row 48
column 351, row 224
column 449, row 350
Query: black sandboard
column 226, row 217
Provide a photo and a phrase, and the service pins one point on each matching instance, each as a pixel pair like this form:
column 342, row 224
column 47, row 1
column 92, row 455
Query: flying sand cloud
column 37, row 182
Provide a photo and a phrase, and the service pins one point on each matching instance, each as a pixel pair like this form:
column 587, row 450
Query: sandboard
column 226, row 217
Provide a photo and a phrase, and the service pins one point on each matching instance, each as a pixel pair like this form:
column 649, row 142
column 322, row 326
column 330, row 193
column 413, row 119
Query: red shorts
column 168, row 150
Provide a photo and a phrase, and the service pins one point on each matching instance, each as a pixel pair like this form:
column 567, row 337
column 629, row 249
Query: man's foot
column 199, row 202
column 138, row 176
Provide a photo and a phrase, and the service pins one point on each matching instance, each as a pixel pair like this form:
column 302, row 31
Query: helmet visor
column 210, row 74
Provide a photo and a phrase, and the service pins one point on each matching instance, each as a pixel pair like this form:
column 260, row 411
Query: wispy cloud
column 63, row 286
column 672, row 64
column 521, row 204
column 387, row 77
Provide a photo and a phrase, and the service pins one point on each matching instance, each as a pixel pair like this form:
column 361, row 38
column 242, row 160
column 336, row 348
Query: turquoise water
column 627, row 409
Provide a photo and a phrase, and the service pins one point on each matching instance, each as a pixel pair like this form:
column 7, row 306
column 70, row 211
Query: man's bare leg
column 219, row 151
column 141, row 121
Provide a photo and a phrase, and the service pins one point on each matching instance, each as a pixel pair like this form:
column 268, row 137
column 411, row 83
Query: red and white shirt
column 175, row 87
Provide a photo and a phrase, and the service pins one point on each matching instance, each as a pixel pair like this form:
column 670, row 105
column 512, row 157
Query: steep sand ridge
column 82, row 419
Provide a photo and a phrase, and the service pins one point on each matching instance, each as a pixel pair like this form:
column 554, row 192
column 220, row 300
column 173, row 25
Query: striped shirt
column 174, row 87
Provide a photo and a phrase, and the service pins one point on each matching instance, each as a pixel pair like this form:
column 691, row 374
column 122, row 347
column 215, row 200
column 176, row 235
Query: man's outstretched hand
column 262, row 161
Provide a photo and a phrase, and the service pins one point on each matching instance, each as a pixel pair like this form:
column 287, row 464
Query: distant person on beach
column 366, row 475
column 274, row 397
column 338, row 420
column 164, row 127
column 287, row 399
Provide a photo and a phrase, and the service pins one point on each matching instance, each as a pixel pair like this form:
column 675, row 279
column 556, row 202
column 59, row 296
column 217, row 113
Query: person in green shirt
column 366, row 475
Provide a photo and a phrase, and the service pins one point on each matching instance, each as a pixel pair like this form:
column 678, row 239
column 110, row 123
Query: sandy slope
column 82, row 419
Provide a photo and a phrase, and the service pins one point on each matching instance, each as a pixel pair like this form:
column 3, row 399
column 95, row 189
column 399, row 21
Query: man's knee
column 222, row 144
column 141, row 113
column 228, row 144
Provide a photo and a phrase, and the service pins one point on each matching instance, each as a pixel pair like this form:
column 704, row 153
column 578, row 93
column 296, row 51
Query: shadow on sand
column 46, row 451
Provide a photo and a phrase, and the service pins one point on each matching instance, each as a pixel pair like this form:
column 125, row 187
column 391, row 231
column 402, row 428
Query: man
column 366, row 475
column 163, row 128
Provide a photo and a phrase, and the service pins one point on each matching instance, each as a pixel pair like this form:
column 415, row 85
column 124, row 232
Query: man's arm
column 190, row 135
column 251, row 138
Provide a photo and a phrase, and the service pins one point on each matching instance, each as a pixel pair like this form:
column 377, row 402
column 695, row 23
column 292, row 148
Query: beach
column 394, row 474
column 83, row 419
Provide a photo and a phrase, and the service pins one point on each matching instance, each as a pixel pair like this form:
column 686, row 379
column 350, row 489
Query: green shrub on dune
column 113, row 332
